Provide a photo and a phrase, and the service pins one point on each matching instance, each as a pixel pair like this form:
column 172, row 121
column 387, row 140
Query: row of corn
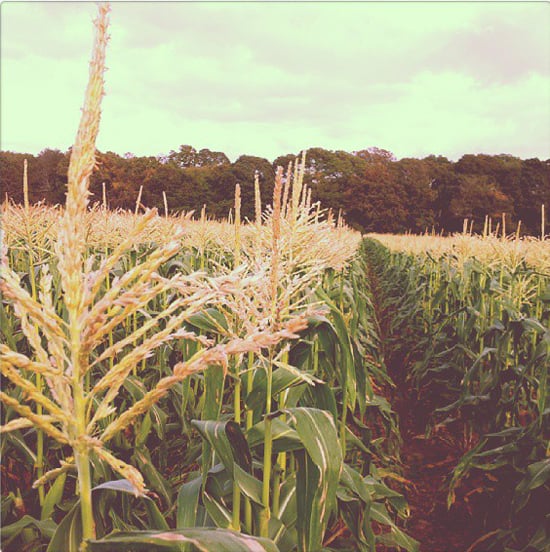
column 226, row 377
column 180, row 384
column 469, row 324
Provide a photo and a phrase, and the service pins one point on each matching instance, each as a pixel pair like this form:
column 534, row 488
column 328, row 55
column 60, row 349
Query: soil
column 428, row 463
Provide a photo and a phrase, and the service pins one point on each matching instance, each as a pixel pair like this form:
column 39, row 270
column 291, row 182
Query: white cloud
column 266, row 79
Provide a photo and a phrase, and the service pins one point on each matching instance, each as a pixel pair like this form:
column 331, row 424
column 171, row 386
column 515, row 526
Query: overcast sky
column 273, row 78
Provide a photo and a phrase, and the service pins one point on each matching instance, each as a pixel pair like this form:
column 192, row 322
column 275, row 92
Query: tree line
column 374, row 190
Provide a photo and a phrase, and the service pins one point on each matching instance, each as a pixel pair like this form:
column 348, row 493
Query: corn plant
column 473, row 331
column 248, row 352
column 69, row 346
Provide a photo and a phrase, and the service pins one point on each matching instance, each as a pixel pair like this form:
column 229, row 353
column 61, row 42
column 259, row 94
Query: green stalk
column 39, row 434
column 236, row 491
column 315, row 372
column 249, row 424
column 249, row 386
column 345, row 398
column 79, row 429
column 82, row 461
column 345, row 401
column 237, row 397
column 281, row 457
column 268, row 448
column 277, row 477
column 315, row 356
column 134, row 330
column 185, row 384
column 39, row 447
column 81, row 450
column 342, row 290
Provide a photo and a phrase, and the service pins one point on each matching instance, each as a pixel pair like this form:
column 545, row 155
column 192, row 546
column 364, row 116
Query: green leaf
column 152, row 476
column 15, row 439
column 281, row 535
column 228, row 441
column 249, row 485
column 46, row 527
column 351, row 479
column 210, row 320
column 188, row 502
column 213, row 383
column 54, row 496
column 321, row 396
column 6, row 325
column 212, row 498
column 537, row 474
column 287, row 503
column 396, row 535
column 346, row 361
column 202, row 540
column 356, row 518
column 284, row 437
column 319, row 467
column 284, row 377
column 211, row 403
column 68, row 536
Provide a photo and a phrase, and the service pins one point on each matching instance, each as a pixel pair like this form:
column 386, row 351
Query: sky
column 273, row 78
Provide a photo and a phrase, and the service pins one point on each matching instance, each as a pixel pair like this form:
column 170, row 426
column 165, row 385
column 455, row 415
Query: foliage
column 115, row 343
column 473, row 335
column 376, row 192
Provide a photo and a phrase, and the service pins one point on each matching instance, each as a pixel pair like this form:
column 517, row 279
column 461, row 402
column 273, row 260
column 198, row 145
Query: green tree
column 187, row 156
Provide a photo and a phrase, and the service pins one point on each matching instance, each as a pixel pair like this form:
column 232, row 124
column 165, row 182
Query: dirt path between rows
column 427, row 462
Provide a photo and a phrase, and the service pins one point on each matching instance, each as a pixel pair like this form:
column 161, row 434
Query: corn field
column 171, row 382
column 467, row 321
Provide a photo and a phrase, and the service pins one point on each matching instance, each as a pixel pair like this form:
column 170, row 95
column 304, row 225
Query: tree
column 187, row 156
column 328, row 174
column 375, row 191
column 49, row 177
column 244, row 170
column 376, row 201
column 11, row 171
column 415, row 179
column 375, row 155
column 208, row 158
column 535, row 188
column 477, row 197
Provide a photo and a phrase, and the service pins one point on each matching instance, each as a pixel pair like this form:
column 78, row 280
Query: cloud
column 270, row 78
column 502, row 48
column 492, row 119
